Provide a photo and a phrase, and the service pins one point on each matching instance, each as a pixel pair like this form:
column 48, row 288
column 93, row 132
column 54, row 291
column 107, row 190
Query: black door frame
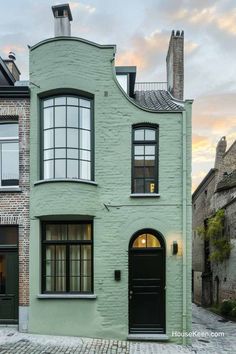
column 8, row 248
column 161, row 239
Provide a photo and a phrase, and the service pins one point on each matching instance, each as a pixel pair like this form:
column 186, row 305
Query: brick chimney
column 175, row 65
column 62, row 19
column 10, row 63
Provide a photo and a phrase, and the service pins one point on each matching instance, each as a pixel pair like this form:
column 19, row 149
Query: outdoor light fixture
column 174, row 247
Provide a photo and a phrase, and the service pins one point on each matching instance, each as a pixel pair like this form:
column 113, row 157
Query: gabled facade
column 110, row 197
column 215, row 281
column 14, row 196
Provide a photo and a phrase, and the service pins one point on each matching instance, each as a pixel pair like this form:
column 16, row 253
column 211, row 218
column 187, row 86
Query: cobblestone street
column 12, row 341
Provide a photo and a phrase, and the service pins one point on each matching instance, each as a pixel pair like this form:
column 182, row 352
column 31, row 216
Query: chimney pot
column 12, row 56
column 62, row 18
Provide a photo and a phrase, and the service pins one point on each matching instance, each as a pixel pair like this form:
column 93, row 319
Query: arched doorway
column 147, row 283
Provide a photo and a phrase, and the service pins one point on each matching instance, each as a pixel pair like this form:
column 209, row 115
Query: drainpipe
column 184, row 221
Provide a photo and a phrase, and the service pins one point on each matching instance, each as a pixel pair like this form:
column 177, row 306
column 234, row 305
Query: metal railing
column 149, row 86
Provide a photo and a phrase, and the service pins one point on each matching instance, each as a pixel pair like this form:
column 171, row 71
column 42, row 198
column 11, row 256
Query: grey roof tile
column 158, row 100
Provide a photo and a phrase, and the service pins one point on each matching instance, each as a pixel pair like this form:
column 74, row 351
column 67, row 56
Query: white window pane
column 48, row 169
column 47, row 103
column 72, row 101
column 150, row 150
column 85, row 139
column 72, row 138
column 150, row 134
column 72, row 117
column 48, row 139
column 139, row 134
column 9, row 130
column 60, row 137
column 60, row 116
column 60, row 101
column 84, row 103
column 60, row 168
column 48, row 118
column 72, row 153
column 10, row 164
column 123, row 81
column 85, row 155
column 48, row 154
column 84, row 118
column 72, row 168
column 85, row 172
column 139, row 150
column 60, row 153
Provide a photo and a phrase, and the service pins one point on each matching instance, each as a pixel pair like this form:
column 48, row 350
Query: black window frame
column 66, row 95
column 9, row 140
column 67, row 243
column 143, row 126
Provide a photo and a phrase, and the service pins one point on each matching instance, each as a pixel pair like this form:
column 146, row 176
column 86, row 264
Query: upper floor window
column 144, row 159
column 9, row 154
column 67, row 137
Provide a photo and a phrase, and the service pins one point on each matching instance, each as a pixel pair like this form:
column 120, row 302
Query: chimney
column 62, row 18
column 175, row 65
column 10, row 63
column 220, row 151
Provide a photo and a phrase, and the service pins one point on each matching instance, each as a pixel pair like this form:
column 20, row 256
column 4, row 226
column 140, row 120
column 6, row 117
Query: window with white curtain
column 67, row 258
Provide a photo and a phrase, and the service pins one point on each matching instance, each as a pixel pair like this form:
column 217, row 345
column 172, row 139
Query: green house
column 110, row 197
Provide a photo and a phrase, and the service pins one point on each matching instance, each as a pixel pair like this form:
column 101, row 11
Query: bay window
column 67, row 140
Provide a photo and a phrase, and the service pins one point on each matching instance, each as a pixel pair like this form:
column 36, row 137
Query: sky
column 141, row 30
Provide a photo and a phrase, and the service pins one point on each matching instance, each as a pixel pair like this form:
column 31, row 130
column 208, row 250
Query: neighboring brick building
column 14, row 196
column 110, row 241
column 214, row 282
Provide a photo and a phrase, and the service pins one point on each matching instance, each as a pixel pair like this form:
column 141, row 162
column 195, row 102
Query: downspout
column 184, row 222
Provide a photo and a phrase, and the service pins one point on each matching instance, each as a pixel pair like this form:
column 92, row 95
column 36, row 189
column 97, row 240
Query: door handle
column 131, row 292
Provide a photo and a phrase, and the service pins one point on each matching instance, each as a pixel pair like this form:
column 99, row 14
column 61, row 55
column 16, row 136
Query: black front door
column 8, row 286
column 147, row 290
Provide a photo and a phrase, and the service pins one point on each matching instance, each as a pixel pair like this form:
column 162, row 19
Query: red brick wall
column 14, row 206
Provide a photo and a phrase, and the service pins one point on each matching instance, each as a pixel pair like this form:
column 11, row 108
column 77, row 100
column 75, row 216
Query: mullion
column 67, row 268
column 66, row 128
column 54, row 153
column 79, row 146
column 80, row 270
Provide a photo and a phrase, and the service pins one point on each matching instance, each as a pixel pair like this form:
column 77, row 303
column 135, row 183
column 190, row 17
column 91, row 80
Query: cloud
column 12, row 47
column 148, row 53
column 82, row 7
column 225, row 21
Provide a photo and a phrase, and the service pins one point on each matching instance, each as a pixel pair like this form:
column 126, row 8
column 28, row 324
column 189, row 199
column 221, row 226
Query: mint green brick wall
column 75, row 64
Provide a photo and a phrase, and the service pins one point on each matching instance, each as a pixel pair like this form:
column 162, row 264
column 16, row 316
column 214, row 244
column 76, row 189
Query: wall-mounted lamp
column 175, row 247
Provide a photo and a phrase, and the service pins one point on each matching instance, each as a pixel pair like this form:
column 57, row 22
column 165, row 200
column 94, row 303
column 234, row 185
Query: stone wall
column 207, row 199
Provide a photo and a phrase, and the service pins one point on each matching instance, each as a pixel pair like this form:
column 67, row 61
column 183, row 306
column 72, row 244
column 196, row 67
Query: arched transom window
column 146, row 240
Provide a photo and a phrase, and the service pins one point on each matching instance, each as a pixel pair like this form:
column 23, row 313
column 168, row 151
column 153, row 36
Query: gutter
column 14, row 91
column 184, row 222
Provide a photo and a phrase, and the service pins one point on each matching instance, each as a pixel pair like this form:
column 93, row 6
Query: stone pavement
column 13, row 342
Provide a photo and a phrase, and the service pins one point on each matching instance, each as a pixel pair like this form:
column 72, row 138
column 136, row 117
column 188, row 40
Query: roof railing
column 150, row 86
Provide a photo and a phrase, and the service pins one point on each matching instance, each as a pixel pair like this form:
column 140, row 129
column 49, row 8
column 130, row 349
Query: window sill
column 67, row 296
column 146, row 195
column 10, row 189
column 64, row 180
